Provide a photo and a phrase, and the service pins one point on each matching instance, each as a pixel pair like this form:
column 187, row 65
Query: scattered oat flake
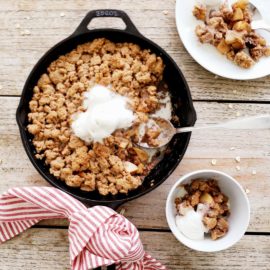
column 62, row 14
column 165, row 12
column 230, row 106
column 247, row 191
column 122, row 211
column 214, row 162
column 234, row 91
column 1, row 87
column 1, row 161
column 238, row 168
column 27, row 18
column 237, row 159
column 216, row 77
column 25, row 33
column 254, row 172
column 17, row 25
column 232, row 148
column 238, row 114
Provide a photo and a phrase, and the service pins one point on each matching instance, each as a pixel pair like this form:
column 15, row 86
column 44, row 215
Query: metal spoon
column 168, row 130
column 259, row 22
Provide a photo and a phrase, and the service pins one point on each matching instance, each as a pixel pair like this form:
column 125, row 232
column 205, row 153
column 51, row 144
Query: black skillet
column 180, row 97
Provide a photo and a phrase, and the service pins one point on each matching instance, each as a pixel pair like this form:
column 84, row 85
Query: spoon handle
column 254, row 123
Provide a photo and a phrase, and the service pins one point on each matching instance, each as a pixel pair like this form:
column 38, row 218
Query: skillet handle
column 100, row 13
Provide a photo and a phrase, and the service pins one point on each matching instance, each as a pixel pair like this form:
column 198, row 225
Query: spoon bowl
column 258, row 21
column 163, row 129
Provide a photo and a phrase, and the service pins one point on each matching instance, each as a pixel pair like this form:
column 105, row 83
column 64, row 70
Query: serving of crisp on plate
column 202, row 52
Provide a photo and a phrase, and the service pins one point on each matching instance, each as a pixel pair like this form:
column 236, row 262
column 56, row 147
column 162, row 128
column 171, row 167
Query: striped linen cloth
column 98, row 236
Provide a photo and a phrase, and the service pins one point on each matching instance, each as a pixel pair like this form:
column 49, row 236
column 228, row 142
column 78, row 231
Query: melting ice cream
column 105, row 112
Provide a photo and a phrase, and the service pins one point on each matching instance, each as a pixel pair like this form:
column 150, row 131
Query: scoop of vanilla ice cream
column 105, row 112
column 191, row 225
column 190, row 222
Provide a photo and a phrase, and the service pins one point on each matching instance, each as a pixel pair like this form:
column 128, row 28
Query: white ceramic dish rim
column 182, row 238
column 214, row 70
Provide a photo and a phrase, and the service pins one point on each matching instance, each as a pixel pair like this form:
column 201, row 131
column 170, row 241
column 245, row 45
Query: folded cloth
column 98, row 236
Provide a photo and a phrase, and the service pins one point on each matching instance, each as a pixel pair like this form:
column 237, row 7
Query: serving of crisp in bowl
column 208, row 210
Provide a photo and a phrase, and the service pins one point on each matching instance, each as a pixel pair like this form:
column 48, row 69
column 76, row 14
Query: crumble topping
column 116, row 165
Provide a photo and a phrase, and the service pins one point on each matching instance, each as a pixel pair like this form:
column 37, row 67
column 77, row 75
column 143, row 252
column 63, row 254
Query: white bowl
column 238, row 219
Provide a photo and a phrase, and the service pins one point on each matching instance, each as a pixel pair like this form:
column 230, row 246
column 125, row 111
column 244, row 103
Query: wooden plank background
column 32, row 253
column 43, row 19
column 47, row 22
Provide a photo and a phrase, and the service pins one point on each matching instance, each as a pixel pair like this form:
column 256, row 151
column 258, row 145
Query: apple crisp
column 206, row 192
column 229, row 30
column 116, row 165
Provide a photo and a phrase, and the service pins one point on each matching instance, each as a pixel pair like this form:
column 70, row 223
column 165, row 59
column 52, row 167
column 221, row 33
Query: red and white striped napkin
column 98, row 236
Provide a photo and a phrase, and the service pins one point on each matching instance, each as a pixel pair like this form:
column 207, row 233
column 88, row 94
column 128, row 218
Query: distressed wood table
column 28, row 28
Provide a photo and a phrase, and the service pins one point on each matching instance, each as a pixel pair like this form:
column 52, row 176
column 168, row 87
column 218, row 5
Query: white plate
column 207, row 55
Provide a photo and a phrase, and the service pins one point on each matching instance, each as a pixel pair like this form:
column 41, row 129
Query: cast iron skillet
column 180, row 96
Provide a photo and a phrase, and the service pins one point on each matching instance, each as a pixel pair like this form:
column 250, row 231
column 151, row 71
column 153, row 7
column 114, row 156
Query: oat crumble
column 116, row 165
